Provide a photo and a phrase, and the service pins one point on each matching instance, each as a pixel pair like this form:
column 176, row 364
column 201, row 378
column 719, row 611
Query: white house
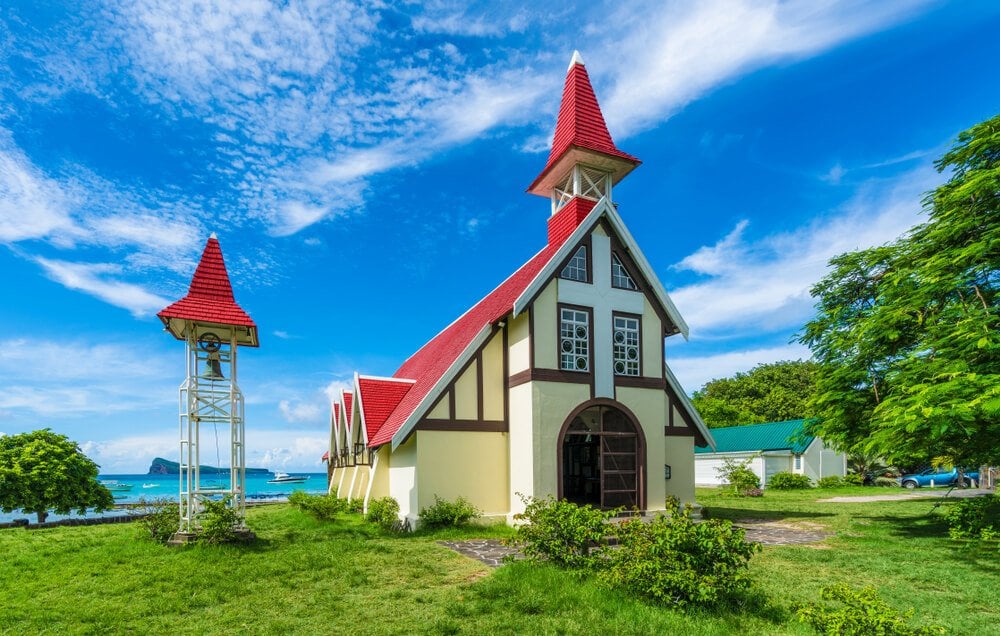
column 771, row 448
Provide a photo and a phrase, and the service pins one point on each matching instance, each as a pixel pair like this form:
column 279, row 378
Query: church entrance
column 602, row 458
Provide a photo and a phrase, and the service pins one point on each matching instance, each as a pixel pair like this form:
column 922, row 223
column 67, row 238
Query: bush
column 384, row 513
column 674, row 560
column 738, row 475
column 323, row 507
column 830, row 481
column 863, row 613
column 789, row 481
column 753, row 492
column 885, row 482
column 356, row 506
column 162, row 518
column 560, row 532
column 974, row 518
column 853, row 479
column 219, row 521
column 445, row 514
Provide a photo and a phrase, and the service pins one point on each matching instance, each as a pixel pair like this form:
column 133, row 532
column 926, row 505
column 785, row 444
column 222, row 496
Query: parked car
column 940, row 477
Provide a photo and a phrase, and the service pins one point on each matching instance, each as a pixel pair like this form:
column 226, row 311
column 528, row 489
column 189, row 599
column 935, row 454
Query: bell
column 213, row 370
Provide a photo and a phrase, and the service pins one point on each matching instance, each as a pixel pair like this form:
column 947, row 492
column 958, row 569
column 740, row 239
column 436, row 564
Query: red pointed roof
column 325, row 456
column 581, row 127
column 210, row 300
column 378, row 398
column 348, row 399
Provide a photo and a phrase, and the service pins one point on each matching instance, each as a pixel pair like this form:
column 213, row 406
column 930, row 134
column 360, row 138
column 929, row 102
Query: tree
column 43, row 470
column 767, row 393
column 908, row 334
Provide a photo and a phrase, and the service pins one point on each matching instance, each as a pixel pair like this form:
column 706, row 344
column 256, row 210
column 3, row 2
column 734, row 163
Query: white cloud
column 677, row 53
column 763, row 284
column 300, row 411
column 32, row 206
column 95, row 279
column 333, row 389
column 694, row 372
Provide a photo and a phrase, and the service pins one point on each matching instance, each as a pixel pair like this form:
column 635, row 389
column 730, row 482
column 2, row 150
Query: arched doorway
column 602, row 457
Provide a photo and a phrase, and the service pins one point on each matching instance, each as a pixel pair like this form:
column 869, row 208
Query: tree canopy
column 767, row 393
column 907, row 333
column 43, row 470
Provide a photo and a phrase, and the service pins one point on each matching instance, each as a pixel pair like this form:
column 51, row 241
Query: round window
column 619, row 367
column 581, row 331
column 633, row 353
column 567, row 345
column 619, row 337
column 581, row 363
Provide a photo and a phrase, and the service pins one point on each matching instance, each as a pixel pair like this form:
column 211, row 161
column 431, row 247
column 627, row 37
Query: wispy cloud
column 695, row 371
column 762, row 284
column 97, row 280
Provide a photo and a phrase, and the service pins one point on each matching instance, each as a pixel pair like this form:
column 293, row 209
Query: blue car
column 939, row 477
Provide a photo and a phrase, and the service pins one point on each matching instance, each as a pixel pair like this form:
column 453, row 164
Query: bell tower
column 213, row 327
column 584, row 162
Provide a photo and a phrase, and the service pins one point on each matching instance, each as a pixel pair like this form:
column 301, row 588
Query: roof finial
column 577, row 59
column 213, row 236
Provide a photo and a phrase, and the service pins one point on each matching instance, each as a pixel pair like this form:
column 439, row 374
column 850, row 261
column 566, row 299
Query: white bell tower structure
column 213, row 327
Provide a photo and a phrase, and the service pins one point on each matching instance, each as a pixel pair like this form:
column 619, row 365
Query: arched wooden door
column 602, row 457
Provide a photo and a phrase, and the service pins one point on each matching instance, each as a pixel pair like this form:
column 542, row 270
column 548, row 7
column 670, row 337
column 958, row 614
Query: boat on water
column 151, row 485
column 285, row 478
column 116, row 486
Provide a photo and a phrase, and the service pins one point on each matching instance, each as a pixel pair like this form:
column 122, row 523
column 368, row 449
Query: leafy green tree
column 43, row 470
column 767, row 393
column 908, row 334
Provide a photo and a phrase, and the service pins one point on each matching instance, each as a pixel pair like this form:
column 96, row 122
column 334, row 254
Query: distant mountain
column 162, row 466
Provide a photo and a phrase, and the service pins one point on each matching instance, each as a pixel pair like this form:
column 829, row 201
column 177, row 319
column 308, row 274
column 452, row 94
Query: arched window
column 602, row 458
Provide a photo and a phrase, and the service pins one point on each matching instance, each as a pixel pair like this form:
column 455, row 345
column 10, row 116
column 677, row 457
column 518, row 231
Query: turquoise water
column 150, row 487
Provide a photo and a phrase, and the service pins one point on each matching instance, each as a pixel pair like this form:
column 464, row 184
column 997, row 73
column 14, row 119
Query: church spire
column 584, row 161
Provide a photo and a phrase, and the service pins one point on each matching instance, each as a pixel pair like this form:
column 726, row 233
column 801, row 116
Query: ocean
column 150, row 487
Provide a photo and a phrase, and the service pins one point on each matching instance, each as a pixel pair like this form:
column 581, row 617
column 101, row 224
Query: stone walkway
column 492, row 552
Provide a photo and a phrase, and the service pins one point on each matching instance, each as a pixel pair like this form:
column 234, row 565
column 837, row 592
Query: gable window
column 626, row 345
column 620, row 277
column 576, row 268
column 574, row 340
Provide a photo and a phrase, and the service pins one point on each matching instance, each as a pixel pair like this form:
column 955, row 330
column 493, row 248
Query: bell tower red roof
column 581, row 134
column 210, row 301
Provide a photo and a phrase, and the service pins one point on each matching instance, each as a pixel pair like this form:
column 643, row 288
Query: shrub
column 219, row 521
column 789, row 481
column 384, row 513
column 561, row 532
column 853, row 479
column 974, row 518
column 356, row 506
column 738, row 475
column 323, row 507
column 863, row 613
column 753, row 492
column 830, row 481
column 444, row 513
column 674, row 560
column 161, row 520
column 885, row 482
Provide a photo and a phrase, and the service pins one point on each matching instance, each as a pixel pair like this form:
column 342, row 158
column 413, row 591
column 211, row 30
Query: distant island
column 162, row 466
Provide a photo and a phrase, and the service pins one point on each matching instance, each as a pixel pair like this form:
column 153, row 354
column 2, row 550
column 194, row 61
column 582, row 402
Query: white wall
column 705, row 465
column 403, row 478
column 820, row 460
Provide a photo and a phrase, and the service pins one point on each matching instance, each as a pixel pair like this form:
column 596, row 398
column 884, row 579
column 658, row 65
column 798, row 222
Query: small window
column 574, row 340
column 798, row 462
column 576, row 268
column 626, row 346
column 620, row 277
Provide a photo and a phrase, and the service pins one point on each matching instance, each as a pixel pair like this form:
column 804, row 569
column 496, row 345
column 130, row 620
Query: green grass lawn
column 306, row 576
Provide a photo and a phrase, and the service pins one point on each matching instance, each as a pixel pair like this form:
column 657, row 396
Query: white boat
column 116, row 486
column 285, row 478
column 151, row 485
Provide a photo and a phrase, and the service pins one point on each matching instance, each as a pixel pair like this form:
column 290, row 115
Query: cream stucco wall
column 650, row 408
column 544, row 314
column 494, row 383
column 552, row 402
column 403, row 478
column 679, row 455
column 518, row 344
column 652, row 343
column 380, row 474
column 360, row 487
column 441, row 410
column 521, row 440
column 466, row 404
column 469, row 464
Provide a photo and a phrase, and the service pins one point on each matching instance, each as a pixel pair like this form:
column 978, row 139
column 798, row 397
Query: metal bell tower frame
column 213, row 327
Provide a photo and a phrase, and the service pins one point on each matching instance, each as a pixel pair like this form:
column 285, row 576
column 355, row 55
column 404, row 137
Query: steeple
column 210, row 301
column 584, row 161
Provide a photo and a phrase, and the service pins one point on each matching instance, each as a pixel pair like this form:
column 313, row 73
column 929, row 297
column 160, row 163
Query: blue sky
column 365, row 166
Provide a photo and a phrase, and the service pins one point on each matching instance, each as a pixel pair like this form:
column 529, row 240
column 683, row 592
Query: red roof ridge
column 384, row 378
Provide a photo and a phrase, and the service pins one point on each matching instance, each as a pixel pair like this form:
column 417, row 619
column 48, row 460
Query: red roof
column 378, row 398
column 348, row 399
column 210, row 297
column 580, row 123
column 430, row 363
column 325, row 456
column 336, row 413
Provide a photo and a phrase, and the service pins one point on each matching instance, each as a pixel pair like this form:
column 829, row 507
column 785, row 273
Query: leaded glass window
column 620, row 277
column 626, row 345
column 574, row 340
column 576, row 268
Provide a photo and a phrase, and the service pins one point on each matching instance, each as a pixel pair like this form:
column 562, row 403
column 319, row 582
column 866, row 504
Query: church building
column 553, row 384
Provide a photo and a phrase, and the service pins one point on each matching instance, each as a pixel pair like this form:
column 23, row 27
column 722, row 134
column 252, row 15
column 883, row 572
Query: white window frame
column 797, row 462
column 577, row 266
column 627, row 346
column 577, row 341
column 620, row 276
